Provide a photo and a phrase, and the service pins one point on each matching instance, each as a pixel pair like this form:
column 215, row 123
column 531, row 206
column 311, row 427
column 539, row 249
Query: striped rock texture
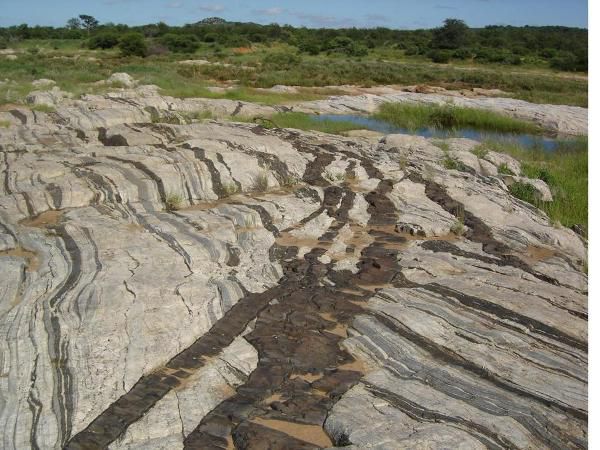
column 221, row 285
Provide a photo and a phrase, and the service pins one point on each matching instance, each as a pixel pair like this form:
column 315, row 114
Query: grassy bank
column 76, row 70
column 564, row 170
column 449, row 117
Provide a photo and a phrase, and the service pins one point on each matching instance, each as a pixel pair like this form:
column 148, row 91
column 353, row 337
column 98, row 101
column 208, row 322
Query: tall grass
column 448, row 117
column 565, row 170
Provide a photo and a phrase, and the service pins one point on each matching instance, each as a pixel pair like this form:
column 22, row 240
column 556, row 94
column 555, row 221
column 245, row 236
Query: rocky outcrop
column 145, row 103
column 209, row 285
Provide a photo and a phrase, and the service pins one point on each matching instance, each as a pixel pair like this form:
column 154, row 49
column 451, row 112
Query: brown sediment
column 339, row 329
column 32, row 261
column 277, row 397
column 357, row 365
column 308, row 377
column 535, row 254
column 44, row 220
column 374, row 287
column 287, row 239
column 134, row 227
column 312, row 434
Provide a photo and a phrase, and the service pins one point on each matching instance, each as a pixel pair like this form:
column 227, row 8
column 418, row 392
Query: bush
column 281, row 60
column 180, row 43
column 103, row 40
column 439, row 56
column 310, row 47
column 412, row 50
column 133, row 44
column 523, row 191
column 211, row 37
column 569, row 62
column 3, row 43
column 462, row 53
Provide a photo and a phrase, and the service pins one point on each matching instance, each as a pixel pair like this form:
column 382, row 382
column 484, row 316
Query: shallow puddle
column 526, row 140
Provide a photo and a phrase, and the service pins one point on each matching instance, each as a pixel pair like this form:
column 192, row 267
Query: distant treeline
column 563, row 47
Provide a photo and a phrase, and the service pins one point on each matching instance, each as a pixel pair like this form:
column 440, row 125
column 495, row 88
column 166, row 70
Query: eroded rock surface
column 219, row 285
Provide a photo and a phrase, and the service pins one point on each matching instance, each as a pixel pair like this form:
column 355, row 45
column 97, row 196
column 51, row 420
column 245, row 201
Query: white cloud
column 212, row 8
column 275, row 11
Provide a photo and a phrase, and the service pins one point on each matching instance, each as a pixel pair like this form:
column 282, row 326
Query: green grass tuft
column 450, row 117
column 480, row 151
column 523, row 191
column 261, row 182
column 503, row 169
column 173, row 202
column 230, row 189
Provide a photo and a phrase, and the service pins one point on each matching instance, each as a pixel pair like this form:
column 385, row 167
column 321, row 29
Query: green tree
column 88, row 22
column 180, row 43
column 133, row 44
column 74, row 23
column 454, row 34
column 104, row 40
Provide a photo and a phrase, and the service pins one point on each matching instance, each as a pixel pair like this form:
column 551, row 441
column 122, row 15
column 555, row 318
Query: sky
column 404, row 14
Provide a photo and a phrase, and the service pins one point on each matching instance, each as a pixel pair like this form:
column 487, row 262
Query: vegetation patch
column 503, row 169
column 261, row 182
column 523, row 191
column 450, row 117
column 480, row 151
column 565, row 170
column 230, row 189
column 173, row 202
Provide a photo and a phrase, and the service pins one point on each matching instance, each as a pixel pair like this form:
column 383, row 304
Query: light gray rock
column 125, row 242
column 122, row 79
column 42, row 83
column 50, row 98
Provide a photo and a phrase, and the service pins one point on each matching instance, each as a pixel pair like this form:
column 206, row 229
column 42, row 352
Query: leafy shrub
column 211, row 37
column 462, row 53
column 280, row 61
column 103, row 41
column 347, row 46
column 133, row 44
column 310, row 47
column 570, row 62
column 439, row 56
column 180, row 43
column 3, row 43
column 412, row 50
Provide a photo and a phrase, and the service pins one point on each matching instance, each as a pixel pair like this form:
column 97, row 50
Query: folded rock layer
column 220, row 285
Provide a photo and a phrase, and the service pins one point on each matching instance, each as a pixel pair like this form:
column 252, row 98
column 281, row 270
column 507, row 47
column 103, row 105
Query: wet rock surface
column 220, row 285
